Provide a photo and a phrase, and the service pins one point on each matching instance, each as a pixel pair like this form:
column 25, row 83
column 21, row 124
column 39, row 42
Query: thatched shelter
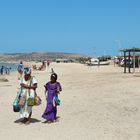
column 129, row 56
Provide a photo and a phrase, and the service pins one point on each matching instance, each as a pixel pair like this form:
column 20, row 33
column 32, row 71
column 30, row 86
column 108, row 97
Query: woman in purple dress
column 52, row 88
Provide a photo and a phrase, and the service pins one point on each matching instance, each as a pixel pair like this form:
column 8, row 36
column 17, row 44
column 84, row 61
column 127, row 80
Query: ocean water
column 11, row 65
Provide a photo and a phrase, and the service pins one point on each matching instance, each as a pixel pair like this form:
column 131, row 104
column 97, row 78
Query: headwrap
column 54, row 75
column 27, row 70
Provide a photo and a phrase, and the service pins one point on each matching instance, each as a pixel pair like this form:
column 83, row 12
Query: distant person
column 34, row 67
column 20, row 70
column 43, row 66
column 2, row 70
column 52, row 71
column 7, row 70
column 48, row 64
column 52, row 88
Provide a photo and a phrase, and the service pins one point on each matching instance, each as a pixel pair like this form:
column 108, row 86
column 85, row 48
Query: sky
column 94, row 27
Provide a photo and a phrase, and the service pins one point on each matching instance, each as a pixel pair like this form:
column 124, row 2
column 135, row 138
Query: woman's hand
column 58, row 89
column 24, row 86
column 34, row 86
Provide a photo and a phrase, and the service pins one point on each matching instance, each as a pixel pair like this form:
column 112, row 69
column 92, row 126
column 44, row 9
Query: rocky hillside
column 38, row 56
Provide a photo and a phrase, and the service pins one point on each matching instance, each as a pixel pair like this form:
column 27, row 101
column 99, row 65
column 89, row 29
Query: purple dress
column 51, row 110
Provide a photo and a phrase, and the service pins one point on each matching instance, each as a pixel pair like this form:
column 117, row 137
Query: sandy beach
column 96, row 104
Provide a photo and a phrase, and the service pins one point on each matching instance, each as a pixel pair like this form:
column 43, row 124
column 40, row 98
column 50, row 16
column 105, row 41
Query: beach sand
column 96, row 104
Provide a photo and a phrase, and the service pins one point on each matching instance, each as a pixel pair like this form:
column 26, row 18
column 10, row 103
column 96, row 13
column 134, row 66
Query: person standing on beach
column 2, row 70
column 28, row 86
column 20, row 70
column 52, row 88
column 7, row 70
column 48, row 64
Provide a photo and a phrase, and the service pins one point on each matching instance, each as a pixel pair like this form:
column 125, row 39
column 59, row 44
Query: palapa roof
column 131, row 50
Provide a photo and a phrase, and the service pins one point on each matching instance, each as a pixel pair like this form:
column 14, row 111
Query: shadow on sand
column 33, row 120
column 48, row 121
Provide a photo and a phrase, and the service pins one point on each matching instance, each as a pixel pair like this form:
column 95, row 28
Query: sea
column 11, row 65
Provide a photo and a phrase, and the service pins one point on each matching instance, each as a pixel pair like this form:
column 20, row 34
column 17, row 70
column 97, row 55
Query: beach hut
column 128, row 57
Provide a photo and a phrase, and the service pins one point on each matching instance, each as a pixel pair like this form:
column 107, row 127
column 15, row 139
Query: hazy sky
column 78, row 26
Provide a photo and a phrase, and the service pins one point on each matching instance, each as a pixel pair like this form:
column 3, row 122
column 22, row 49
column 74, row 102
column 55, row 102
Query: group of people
column 42, row 67
column 5, row 70
column 28, row 85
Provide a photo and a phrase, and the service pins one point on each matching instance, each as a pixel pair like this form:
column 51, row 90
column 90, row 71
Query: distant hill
column 34, row 56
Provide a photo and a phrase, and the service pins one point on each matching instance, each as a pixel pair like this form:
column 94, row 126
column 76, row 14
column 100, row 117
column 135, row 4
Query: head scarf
column 54, row 75
column 27, row 71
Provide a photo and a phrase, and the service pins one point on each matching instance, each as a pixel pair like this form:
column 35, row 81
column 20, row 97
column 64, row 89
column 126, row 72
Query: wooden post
column 138, row 61
column 129, row 66
column 134, row 61
column 124, row 61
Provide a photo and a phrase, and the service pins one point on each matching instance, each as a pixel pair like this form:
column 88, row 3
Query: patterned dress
column 26, row 110
column 51, row 110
